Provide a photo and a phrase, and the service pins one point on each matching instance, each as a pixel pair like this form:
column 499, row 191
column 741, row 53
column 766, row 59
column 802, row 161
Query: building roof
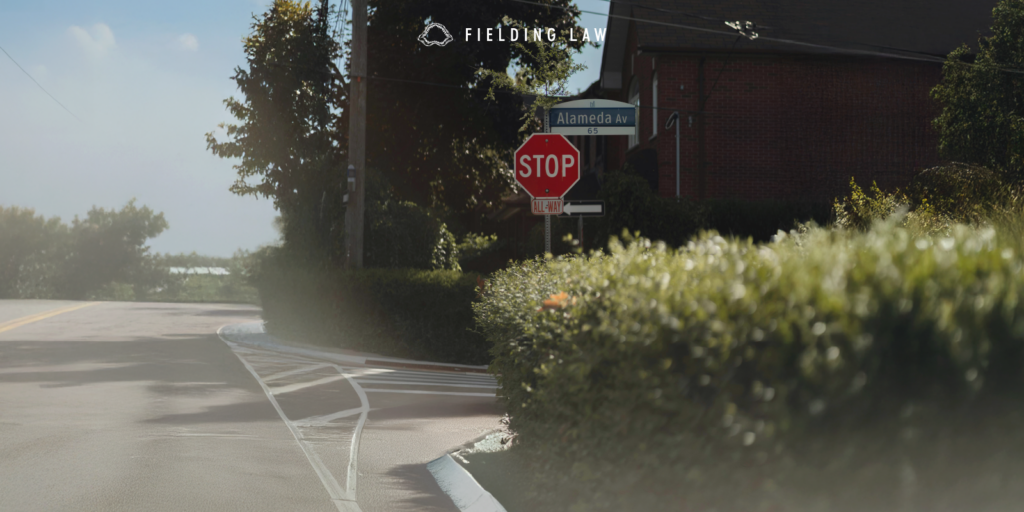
column 931, row 27
column 216, row 271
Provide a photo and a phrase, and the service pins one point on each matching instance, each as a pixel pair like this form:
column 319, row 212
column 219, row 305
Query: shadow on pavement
column 385, row 407
column 414, row 481
column 174, row 365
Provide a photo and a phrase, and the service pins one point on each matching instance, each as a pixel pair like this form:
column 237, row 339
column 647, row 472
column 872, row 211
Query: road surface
column 143, row 406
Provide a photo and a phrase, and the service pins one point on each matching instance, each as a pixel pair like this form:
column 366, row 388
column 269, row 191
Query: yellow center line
column 18, row 322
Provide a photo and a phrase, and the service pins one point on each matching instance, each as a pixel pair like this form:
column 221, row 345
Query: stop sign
column 547, row 165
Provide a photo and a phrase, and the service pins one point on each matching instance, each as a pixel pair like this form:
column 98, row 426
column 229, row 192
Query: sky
column 144, row 82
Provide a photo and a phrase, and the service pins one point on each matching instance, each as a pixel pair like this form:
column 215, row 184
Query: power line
column 920, row 57
column 40, row 85
column 725, row 63
column 763, row 27
column 670, row 11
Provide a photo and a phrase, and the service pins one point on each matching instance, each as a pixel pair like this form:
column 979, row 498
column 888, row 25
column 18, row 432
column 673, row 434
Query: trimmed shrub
column 420, row 314
column 651, row 372
column 480, row 253
column 760, row 220
column 632, row 206
column 402, row 234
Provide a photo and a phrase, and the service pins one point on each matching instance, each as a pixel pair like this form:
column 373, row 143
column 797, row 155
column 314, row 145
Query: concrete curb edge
column 461, row 487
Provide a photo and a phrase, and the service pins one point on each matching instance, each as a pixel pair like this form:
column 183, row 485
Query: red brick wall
column 787, row 127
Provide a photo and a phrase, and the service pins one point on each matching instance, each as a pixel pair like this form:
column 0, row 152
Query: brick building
column 780, row 120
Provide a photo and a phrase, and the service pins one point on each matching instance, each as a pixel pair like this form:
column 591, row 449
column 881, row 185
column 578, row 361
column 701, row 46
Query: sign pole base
column 547, row 234
column 581, row 233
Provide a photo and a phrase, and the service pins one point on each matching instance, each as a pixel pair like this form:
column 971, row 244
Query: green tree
column 108, row 246
column 982, row 95
column 30, row 251
column 289, row 137
column 447, row 146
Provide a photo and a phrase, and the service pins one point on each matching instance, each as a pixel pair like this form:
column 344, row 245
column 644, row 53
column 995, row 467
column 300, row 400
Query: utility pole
column 356, row 209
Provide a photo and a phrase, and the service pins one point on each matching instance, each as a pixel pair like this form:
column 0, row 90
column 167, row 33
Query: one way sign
column 583, row 209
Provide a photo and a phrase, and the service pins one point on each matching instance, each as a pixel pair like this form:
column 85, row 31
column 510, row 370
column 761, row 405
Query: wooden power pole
column 356, row 209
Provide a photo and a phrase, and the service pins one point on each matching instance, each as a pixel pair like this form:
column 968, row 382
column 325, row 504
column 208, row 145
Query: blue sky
column 147, row 80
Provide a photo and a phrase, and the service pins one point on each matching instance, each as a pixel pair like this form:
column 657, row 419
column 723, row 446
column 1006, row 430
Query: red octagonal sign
column 547, row 165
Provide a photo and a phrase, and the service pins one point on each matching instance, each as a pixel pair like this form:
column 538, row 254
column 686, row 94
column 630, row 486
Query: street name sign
column 547, row 165
column 593, row 117
column 583, row 208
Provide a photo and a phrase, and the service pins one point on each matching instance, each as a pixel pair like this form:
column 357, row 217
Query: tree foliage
column 435, row 126
column 441, row 121
column 289, row 136
column 106, row 246
column 29, row 247
column 982, row 120
column 45, row 258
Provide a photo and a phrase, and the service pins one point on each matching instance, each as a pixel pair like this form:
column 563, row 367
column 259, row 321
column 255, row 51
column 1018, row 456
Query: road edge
column 467, row 494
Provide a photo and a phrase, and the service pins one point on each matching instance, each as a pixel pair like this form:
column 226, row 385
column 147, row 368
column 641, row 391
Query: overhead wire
column 671, row 11
column 765, row 27
column 41, row 86
column 921, row 57
column 725, row 63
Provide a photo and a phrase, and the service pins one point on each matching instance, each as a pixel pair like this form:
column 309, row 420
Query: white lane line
column 418, row 392
column 439, row 375
column 303, row 385
column 423, row 377
column 297, row 371
column 353, row 453
column 340, row 499
column 314, row 421
column 417, row 378
column 279, row 360
column 416, row 383
column 431, row 383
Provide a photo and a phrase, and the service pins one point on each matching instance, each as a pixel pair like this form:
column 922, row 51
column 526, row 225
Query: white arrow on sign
column 573, row 208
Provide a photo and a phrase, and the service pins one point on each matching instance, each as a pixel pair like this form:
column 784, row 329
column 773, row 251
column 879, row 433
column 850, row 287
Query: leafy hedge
column 632, row 206
column 936, row 199
column 650, row 372
column 402, row 234
column 421, row 314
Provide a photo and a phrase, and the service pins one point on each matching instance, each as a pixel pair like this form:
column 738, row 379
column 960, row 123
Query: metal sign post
column 583, row 208
column 547, row 218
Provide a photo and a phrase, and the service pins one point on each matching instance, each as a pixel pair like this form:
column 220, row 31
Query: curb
column 461, row 487
column 254, row 334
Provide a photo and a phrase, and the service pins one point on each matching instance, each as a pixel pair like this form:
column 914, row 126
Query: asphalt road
column 143, row 406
